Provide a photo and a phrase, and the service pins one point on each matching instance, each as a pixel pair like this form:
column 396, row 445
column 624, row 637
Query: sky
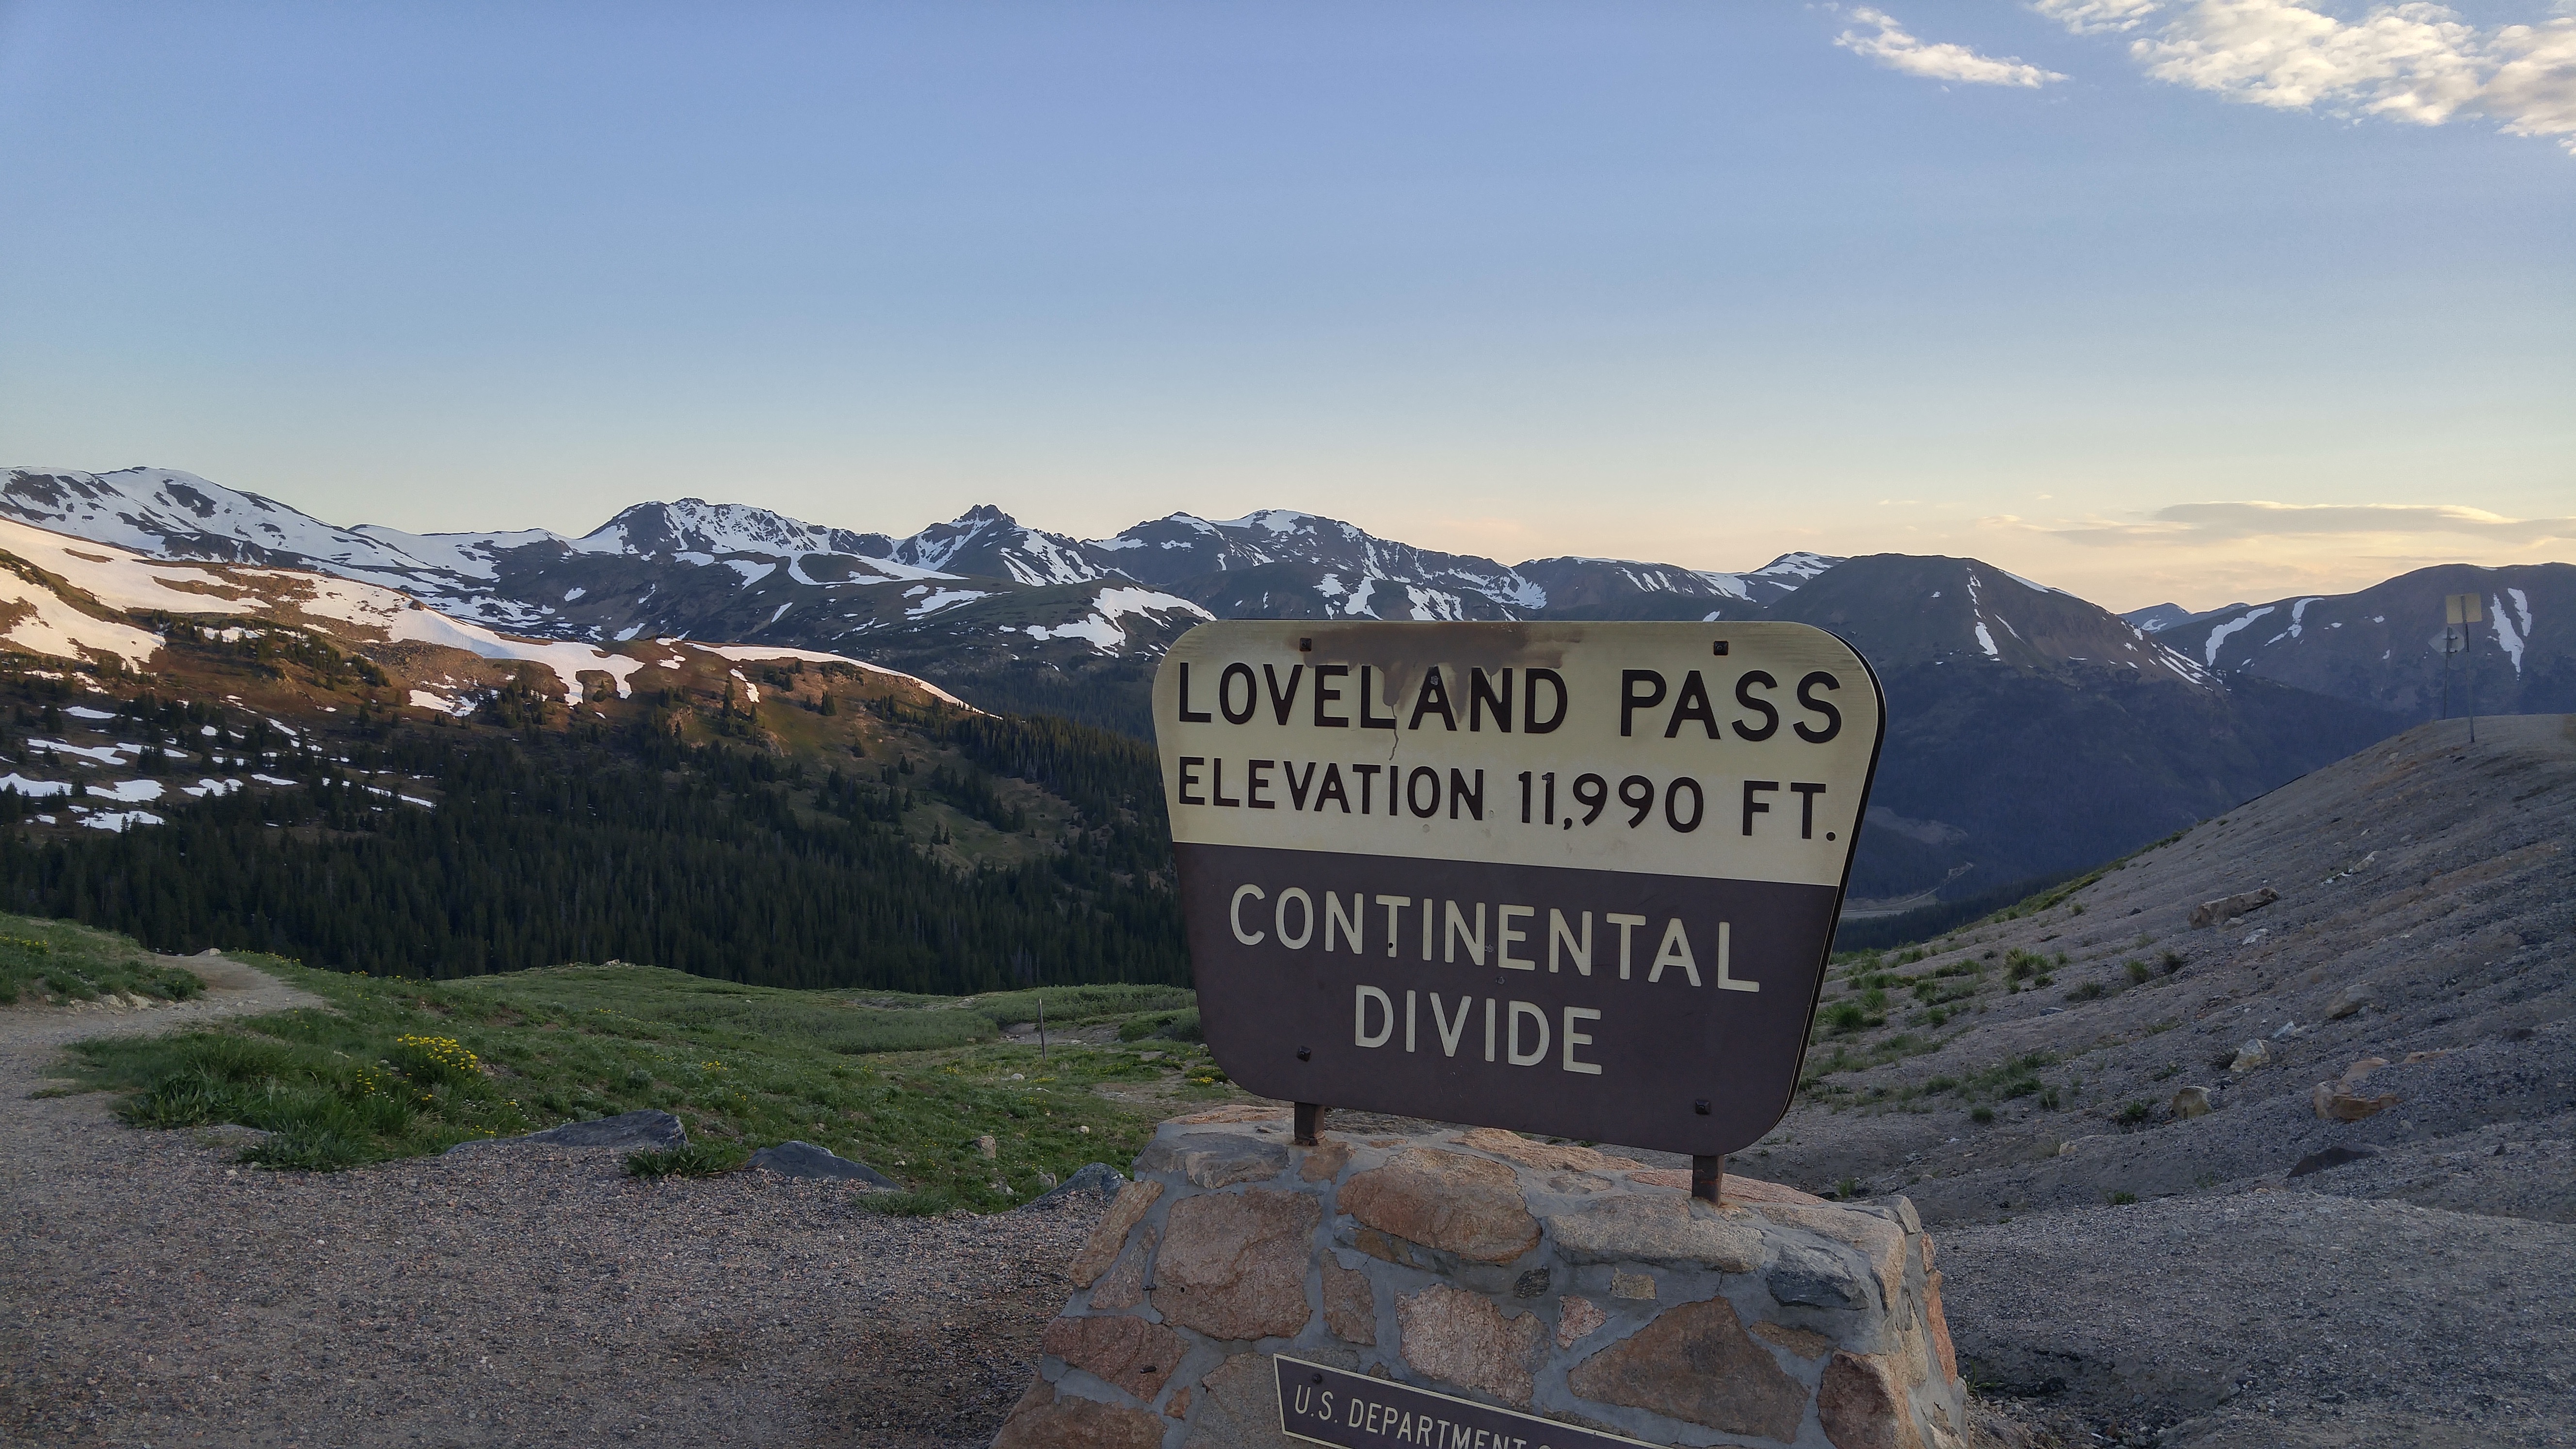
column 2192, row 300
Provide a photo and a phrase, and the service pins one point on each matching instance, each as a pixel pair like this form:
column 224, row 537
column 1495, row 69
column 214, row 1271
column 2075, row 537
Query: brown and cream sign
column 1577, row 879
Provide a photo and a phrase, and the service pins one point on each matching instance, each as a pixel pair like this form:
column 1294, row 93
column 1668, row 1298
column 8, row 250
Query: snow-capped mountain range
column 1277, row 562
column 984, row 590
column 2030, row 731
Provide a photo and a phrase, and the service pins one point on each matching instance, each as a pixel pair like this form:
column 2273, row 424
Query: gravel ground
column 155, row 1294
column 2275, row 1318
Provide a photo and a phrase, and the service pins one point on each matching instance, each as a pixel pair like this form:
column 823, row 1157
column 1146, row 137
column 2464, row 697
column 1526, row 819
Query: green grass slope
column 908, row 1084
column 45, row 962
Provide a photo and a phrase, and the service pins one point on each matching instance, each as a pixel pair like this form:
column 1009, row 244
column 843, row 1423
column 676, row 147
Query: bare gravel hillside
column 2410, row 990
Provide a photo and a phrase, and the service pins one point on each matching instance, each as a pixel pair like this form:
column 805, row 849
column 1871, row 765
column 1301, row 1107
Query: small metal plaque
column 1353, row 1411
column 1573, row 879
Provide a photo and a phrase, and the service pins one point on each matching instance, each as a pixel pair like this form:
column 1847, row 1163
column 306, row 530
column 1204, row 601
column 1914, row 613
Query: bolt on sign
column 1575, row 879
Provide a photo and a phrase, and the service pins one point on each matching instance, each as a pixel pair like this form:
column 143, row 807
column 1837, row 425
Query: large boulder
column 1098, row 1180
column 804, row 1159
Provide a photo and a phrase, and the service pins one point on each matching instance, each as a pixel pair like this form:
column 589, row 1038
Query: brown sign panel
column 1323, row 1405
column 1574, row 879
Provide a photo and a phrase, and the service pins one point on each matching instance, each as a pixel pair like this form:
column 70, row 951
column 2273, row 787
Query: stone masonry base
column 1553, row 1280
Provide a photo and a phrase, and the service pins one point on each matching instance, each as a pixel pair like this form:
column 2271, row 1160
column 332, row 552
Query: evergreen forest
column 637, row 840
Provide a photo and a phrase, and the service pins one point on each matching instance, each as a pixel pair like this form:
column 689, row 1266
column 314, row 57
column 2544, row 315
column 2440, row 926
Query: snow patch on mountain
column 2507, row 638
column 2218, row 636
column 1101, row 628
column 42, row 622
column 754, row 653
column 934, row 601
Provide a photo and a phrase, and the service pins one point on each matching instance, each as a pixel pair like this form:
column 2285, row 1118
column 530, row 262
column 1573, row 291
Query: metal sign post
column 2459, row 611
column 1571, row 879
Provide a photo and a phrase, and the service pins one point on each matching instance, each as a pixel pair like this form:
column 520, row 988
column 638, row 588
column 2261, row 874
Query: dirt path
column 155, row 1294
column 32, row 1038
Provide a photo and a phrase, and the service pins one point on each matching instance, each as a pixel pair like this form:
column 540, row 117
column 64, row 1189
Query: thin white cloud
column 2533, row 89
column 2205, row 523
column 1893, row 47
column 2415, row 62
column 2085, row 17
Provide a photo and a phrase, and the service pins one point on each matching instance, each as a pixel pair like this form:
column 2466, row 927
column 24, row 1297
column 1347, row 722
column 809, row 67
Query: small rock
column 1460, row 1337
column 1324, row 1160
column 1861, row 1401
column 804, row 1159
column 1123, row 1286
column 1815, row 1276
column 1215, row 1159
column 1466, row 1205
column 2210, row 913
column 2191, row 1102
column 1576, row 1317
column 1697, row 1364
column 1631, row 1285
column 1099, row 1179
column 1110, row 1234
column 1804, row 1343
column 1559, row 1157
column 2353, row 997
column 1129, row 1352
column 2333, row 1104
column 1664, row 1229
column 1879, row 1240
column 2335, row 1156
column 2250, row 1055
column 1042, row 1421
column 1233, row 1266
column 1350, row 1304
